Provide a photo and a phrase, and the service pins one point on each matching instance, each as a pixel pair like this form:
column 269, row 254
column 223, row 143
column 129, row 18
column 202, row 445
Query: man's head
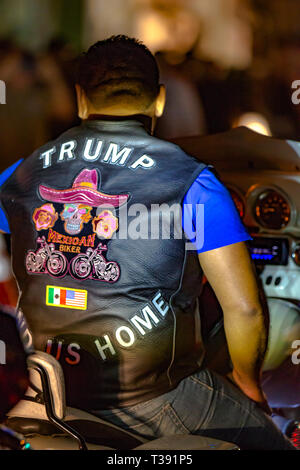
column 119, row 76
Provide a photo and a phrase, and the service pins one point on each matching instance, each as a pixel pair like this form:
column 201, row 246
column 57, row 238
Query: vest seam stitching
column 197, row 173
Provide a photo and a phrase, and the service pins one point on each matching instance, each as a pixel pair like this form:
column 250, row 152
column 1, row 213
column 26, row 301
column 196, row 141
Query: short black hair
column 116, row 68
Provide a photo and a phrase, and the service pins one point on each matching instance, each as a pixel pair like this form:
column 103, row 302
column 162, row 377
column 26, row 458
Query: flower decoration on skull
column 105, row 224
column 75, row 216
column 44, row 217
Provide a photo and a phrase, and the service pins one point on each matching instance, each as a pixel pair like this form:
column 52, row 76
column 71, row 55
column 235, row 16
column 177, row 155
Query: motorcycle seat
column 94, row 431
column 46, row 399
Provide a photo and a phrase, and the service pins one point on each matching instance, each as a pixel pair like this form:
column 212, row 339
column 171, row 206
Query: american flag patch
column 67, row 298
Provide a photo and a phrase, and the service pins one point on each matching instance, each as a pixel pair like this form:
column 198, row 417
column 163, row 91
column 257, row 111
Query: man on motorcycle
column 123, row 320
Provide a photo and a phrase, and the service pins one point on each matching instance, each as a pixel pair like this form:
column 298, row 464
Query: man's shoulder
column 168, row 153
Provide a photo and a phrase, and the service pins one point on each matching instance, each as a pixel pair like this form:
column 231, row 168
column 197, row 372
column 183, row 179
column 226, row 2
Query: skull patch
column 74, row 216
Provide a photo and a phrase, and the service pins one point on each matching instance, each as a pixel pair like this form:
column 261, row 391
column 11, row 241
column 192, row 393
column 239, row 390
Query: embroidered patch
column 67, row 298
column 44, row 217
column 83, row 191
column 79, row 215
column 46, row 260
column 105, row 224
column 75, row 215
column 93, row 265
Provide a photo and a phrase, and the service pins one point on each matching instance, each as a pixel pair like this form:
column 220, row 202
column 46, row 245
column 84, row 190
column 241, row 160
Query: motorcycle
column 262, row 174
column 46, row 260
column 267, row 172
column 48, row 424
column 93, row 264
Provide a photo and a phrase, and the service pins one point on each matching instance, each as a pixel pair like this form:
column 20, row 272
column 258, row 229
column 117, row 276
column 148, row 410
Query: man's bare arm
column 230, row 273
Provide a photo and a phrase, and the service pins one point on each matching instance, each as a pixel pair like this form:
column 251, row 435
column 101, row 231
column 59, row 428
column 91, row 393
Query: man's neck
column 118, row 109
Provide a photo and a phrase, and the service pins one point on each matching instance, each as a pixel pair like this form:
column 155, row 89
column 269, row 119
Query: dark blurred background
column 225, row 63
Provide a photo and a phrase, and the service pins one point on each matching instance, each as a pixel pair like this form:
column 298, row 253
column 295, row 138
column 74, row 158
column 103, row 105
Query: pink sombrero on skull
column 83, row 191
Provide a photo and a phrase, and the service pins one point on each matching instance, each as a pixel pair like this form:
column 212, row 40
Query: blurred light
column 295, row 436
column 153, row 31
column 238, row 201
column 175, row 30
column 226, row 33
column 254, row 121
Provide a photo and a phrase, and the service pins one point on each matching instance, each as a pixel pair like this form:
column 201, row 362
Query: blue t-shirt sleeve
column 210, row 218
column 4, row 225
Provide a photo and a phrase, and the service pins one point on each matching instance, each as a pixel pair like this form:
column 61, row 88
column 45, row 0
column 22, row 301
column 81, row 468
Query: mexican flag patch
column 67, row 298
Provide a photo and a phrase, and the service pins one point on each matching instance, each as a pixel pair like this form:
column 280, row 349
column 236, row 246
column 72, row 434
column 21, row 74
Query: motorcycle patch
column 66, row 298
column 80, row 215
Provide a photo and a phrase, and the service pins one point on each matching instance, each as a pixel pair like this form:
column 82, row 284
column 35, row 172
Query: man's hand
column 252, row 391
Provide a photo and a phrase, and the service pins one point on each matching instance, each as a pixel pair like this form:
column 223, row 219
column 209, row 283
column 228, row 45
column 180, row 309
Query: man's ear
column 82, row 102
column 160, row 101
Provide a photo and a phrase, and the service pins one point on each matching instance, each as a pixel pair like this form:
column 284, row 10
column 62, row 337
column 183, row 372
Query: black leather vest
column 119, row 312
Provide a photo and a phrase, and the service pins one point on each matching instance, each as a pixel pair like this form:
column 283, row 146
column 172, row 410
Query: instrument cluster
column 272, row 210
column 268, row 213
column 269, row 206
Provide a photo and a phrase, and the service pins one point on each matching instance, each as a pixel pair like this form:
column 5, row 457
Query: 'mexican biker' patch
column 69, row 224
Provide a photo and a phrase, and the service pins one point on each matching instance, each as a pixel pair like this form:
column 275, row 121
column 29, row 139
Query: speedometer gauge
column 272, row 210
